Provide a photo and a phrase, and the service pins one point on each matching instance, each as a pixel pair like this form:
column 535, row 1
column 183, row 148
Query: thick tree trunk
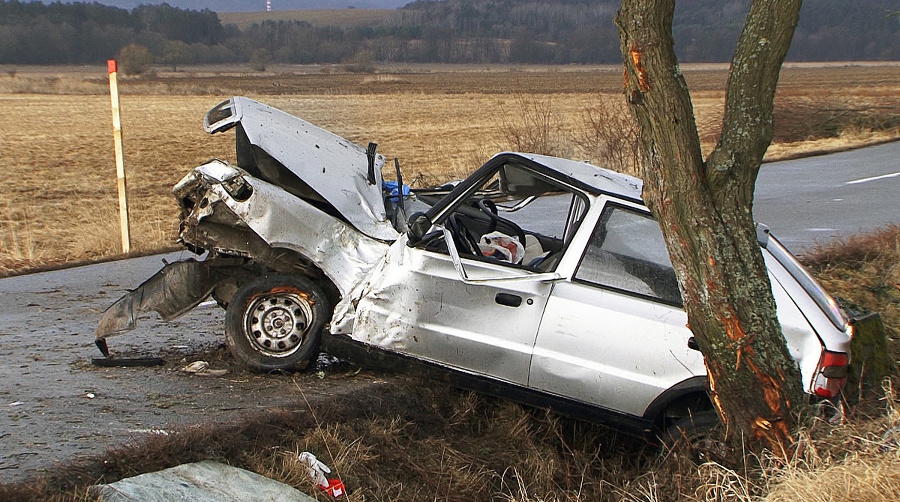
column 705, row 208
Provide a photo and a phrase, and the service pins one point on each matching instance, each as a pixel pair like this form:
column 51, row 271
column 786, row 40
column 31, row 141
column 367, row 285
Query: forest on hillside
column 429, row 31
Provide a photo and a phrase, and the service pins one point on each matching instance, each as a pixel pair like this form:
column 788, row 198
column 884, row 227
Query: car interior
column 514, row 216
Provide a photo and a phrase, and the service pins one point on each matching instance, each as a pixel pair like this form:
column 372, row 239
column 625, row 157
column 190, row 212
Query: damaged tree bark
column 705, row 208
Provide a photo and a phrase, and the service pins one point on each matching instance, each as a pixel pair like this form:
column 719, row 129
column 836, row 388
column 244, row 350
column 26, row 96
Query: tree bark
column 705, row 208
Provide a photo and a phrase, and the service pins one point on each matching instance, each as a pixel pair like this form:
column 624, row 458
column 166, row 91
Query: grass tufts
column 412, row 440
column 610, row 137
column 533, row 126
column 831, row 115
column 864, row 272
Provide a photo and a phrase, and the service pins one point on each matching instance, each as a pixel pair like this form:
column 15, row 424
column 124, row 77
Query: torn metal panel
column 286, row 222
column 345, row 311
column 263, row 220
column 392, row 333
column 335, row 168
column 172, row 291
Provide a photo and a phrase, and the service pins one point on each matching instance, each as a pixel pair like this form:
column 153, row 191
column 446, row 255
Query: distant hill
column 423, row 31
column 326, row 17
column 260, row 5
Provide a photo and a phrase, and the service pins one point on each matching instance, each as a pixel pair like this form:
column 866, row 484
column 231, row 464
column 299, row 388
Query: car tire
column 700, row 436
column 274, row 323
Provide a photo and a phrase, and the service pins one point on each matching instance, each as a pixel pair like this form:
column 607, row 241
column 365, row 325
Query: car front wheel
column 274, row 323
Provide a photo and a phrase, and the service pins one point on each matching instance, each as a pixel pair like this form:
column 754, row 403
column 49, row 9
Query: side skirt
column 344, row 347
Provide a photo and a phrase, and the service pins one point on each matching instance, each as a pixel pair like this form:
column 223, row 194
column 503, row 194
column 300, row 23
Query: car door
column 420, row 307
column 477, row 311
column 615, row 335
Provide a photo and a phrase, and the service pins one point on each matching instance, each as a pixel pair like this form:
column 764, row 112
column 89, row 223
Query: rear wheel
column 700, row 435
column 274, row 323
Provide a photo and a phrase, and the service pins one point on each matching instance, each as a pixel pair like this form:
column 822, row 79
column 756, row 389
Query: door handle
column 692, row 344
column 508, row 299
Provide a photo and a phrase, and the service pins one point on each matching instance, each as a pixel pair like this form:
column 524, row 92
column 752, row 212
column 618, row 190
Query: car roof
column 588, row 176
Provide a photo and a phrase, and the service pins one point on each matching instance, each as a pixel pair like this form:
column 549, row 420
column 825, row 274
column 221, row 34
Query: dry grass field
column 442, row 123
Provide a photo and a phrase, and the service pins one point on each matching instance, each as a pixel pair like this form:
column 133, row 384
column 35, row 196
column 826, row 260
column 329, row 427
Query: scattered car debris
column 155, row 432
column 317, row 472
column 127, row 362
column 202, row 368
column 335, row 488
column 196, row 367
column 541, row 279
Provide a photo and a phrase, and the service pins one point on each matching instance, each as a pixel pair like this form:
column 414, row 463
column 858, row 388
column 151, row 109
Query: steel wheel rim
column 277, row 323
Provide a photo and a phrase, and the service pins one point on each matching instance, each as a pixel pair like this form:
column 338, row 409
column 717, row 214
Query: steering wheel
column 463, row 239
column 488, row 207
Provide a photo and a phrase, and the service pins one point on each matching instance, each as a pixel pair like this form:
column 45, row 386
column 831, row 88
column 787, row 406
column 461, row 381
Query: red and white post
column 112, row 68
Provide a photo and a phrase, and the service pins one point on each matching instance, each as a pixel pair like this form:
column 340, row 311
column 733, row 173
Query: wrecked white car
column 538, row 278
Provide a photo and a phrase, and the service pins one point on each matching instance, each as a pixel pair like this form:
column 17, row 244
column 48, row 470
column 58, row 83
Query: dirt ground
column 56, row 407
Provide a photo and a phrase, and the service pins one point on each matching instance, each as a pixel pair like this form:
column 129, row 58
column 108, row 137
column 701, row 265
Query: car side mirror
column 419, row 225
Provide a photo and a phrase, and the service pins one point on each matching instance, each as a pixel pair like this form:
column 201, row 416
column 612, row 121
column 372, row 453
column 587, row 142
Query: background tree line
column 432, row 31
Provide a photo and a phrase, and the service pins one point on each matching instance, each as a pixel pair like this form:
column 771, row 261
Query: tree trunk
column 705, row 208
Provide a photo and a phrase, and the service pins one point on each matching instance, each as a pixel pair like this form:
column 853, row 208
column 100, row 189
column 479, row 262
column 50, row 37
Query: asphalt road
column 817, row 199
column 55, row 406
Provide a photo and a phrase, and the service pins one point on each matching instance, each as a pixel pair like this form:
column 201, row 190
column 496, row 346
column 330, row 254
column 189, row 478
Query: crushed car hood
column 337, row 171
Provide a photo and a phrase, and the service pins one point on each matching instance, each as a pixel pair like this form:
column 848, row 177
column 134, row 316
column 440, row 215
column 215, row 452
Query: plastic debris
column 317, row 471
column 335, row 488
column 393, row 189
column 196, row 367
column 324, row 360
column 316, row 468
column 501, row 247
column 90, row 395
column 202, row 368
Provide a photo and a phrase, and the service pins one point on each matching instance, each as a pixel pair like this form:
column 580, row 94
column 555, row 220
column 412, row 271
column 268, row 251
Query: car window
column 514, row 217
column 627, row 253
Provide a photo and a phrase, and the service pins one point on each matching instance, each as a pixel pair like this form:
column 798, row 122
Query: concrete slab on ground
column 199, row 482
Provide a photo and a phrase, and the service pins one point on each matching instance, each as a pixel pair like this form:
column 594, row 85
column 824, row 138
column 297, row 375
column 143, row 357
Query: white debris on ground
column 202, row 368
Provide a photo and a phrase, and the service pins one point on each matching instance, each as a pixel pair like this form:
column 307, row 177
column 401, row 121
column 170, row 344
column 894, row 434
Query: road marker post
column 113, row 70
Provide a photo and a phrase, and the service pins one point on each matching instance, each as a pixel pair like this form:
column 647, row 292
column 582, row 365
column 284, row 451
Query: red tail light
column 831, row 374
